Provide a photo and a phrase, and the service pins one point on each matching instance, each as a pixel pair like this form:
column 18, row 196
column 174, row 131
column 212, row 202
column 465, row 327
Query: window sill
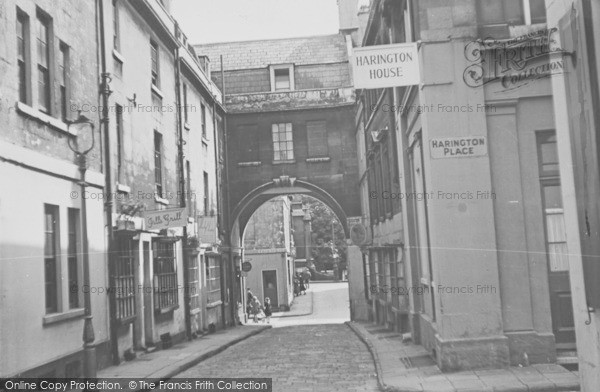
column 249, row 164
column 160, row 200
column 56, row 318
column 156, row 91
column 123, row 188
column 166, row 310
column 44, row 118
column 318, row 160
column 214, row 304
column 118, row 56
column 127, row 320
column 284, row 162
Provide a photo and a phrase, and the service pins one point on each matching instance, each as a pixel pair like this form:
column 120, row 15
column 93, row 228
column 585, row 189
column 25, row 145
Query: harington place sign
column 459, row 147
column 386, row 66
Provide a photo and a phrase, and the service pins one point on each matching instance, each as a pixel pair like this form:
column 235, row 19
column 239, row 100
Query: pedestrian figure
column 256, row 308
column 302, row 286
column 306, row 275
column 268, row 310
column 296, row 286
column 249, row 300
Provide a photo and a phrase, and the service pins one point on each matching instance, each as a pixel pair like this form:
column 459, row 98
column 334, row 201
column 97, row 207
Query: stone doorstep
column 537, row 378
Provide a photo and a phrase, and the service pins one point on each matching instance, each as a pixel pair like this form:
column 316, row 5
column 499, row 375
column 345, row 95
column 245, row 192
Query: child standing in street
column 268, row 310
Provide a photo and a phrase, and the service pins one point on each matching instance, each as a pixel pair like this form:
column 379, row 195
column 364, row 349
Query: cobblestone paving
column 300, row 358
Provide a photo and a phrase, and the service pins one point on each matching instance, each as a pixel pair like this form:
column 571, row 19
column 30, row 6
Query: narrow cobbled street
column 300, row 353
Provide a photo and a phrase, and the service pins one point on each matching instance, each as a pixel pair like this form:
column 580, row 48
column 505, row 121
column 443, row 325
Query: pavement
column 301, row 306
column 165, row 364
column 317, row 348
column 397, row 372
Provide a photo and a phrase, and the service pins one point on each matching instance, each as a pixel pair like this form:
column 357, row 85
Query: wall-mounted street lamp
column 83, row 129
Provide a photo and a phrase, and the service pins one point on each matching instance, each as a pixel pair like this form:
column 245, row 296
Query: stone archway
column 282, row 186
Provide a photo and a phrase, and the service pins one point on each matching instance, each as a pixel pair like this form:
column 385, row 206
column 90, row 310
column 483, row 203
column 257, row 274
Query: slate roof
column 262, row 53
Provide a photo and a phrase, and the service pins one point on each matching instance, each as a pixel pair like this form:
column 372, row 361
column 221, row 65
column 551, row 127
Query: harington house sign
column 386, row 66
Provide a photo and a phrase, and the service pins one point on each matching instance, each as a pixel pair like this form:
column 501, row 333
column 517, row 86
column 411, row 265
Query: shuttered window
column 316, row 133
column 248, row 143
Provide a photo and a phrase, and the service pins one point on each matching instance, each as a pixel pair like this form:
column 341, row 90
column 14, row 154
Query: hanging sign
column 164, row 219
column 385, row 66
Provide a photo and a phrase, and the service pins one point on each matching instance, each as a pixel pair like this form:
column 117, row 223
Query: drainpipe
column 182, row 190
column 108, row 205
column 235, row 284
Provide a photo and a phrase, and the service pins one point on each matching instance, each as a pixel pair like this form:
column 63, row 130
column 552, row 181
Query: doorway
column 147, row 297
column 561, row 307
column 270, row 287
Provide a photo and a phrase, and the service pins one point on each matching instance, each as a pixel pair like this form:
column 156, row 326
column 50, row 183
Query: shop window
column 213, row 273
column 125, row 280
column 194, row 289
column 51, row 255
column 165, row 276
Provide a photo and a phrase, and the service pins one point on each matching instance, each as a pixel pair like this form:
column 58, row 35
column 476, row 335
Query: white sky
column 205, row 21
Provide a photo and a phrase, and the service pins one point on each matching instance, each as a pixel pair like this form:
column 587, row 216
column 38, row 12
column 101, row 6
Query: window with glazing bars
column 154, row 64
column 213, row 272
column 158, row 180
column 63, row 78
column 125, row 280
column 43, row 62
column 283, row 143
column 51, row 245
column 165, row 276
column 194, row 288
column 22, row 54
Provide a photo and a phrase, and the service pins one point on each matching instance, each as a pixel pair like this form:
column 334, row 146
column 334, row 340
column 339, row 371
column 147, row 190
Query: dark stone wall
column 338, row 176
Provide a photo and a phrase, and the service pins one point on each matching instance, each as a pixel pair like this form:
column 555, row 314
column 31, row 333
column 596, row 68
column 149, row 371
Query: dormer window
column 282, row 77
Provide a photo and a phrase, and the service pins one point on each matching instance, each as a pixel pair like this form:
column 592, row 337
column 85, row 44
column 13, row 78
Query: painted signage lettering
column 163, row 219
column 459, row 147
column 386, row 66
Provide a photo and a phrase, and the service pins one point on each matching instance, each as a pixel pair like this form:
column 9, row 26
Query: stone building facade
column 480, row 243
column 159, row 148
column 49, row 68
column 577, row 91
column 290, row 116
